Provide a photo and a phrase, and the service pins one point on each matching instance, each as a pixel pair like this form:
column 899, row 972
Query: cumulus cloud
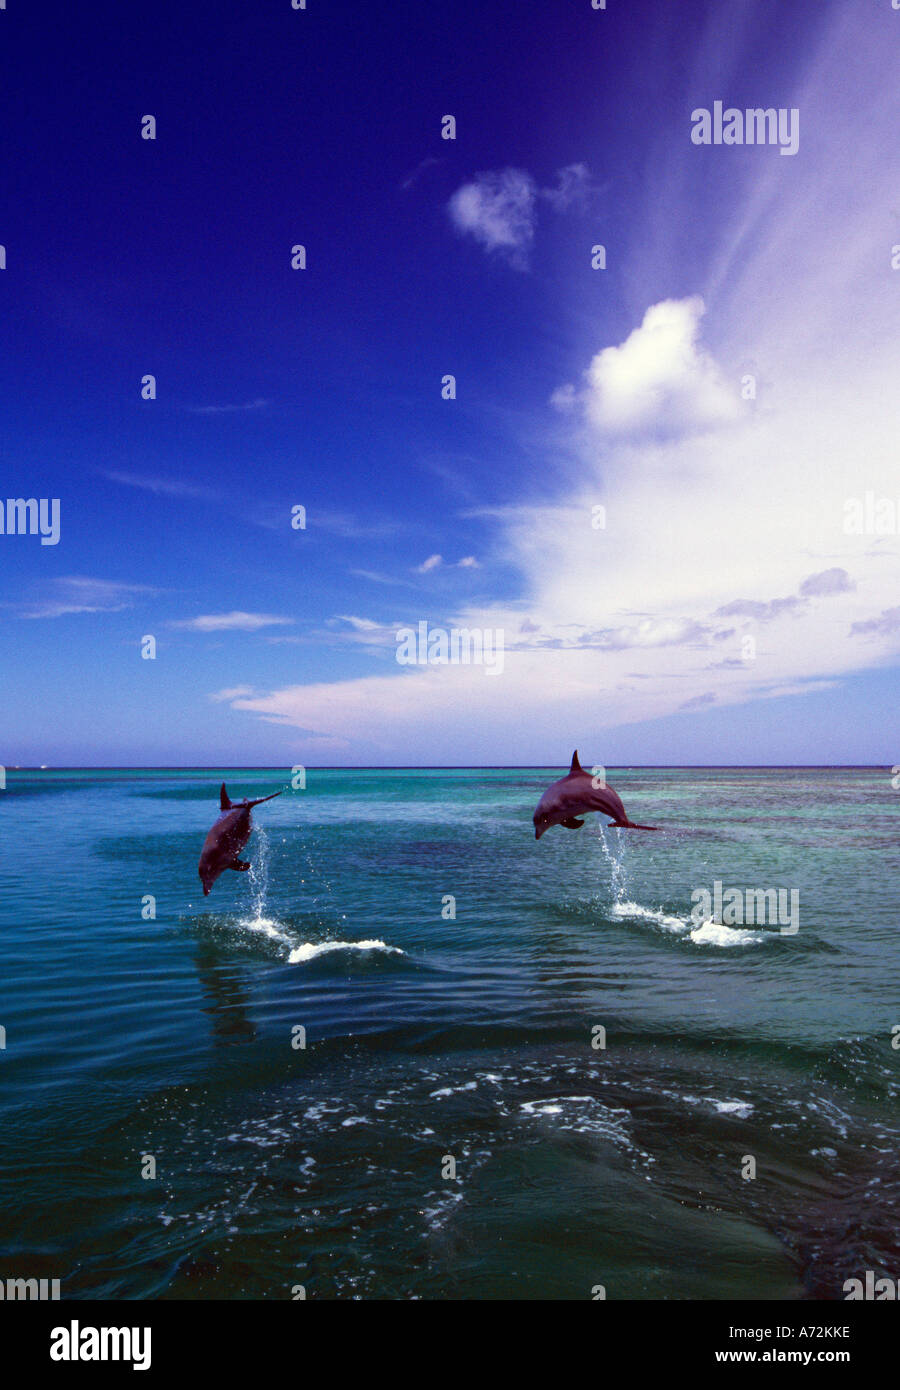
column 432, row 563
column 659, row 383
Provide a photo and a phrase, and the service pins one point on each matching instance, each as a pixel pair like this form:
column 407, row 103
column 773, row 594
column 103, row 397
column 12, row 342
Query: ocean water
column 448, row 1130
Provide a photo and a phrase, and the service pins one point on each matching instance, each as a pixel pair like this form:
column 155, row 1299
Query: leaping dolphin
column 575, row 795
column 227, row 838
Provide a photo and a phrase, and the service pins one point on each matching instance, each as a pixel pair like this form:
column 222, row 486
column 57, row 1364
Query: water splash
column 614, row 853
column 259, row 874
column 293, row 950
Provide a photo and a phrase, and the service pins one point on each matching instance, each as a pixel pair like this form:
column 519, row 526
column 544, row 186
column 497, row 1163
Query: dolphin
column 227, row 838
column 574, row 795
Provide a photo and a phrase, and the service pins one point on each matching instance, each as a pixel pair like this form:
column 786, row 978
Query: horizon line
column 415, row 767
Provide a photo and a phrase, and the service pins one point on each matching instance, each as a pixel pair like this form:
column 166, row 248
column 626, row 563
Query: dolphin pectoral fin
column 572, row 823
column 240, row 866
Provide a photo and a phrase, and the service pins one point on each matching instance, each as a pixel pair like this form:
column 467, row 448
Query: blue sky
column 724, row 613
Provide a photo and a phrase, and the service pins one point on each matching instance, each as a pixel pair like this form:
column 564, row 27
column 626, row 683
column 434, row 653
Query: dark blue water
column 448, row 1129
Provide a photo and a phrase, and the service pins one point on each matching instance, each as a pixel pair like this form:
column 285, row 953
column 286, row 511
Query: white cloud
column 79, row 594
column 375, row 577
column 359, row 624
column 826, row 583
column 659, row 383
column 416, row 173
column 572, row 187
column 432, row 563
column 723, row 517
column 257, row 404
column 235, row 621
column 232, row 692
column 497, row 209
column 887, row 624
column 162, row 487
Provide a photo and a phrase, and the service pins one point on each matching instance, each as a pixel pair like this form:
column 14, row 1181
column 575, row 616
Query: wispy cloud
column 887, row 624
column 258, row 404
column 162, row 487
column 359, row 624
column 375, row 577
column 571, row 189
column 826, row 584
column 336, row 523
column 235, row 621
column 232, row 692
column 498, row 208
column 80, row 594
column 413, row 177
column 436, row 562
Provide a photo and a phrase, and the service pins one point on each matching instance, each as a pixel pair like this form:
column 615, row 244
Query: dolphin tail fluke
column 260, row 799
column 576, row 765
column 224, row 799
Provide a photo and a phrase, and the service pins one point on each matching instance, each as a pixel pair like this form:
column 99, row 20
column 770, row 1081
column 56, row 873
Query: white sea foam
column 311, row 949
column 742, row 1108
column 267, row 925
column 708, row 933
column 582, row 1115
column 649, row 914
column 717, row 934
column 453, row 1090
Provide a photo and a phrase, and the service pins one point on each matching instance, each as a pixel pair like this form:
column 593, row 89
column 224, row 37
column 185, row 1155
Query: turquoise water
column 465, row 1038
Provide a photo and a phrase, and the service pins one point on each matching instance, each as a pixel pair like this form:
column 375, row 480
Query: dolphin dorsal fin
column 224, row 801
column 576, row 765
